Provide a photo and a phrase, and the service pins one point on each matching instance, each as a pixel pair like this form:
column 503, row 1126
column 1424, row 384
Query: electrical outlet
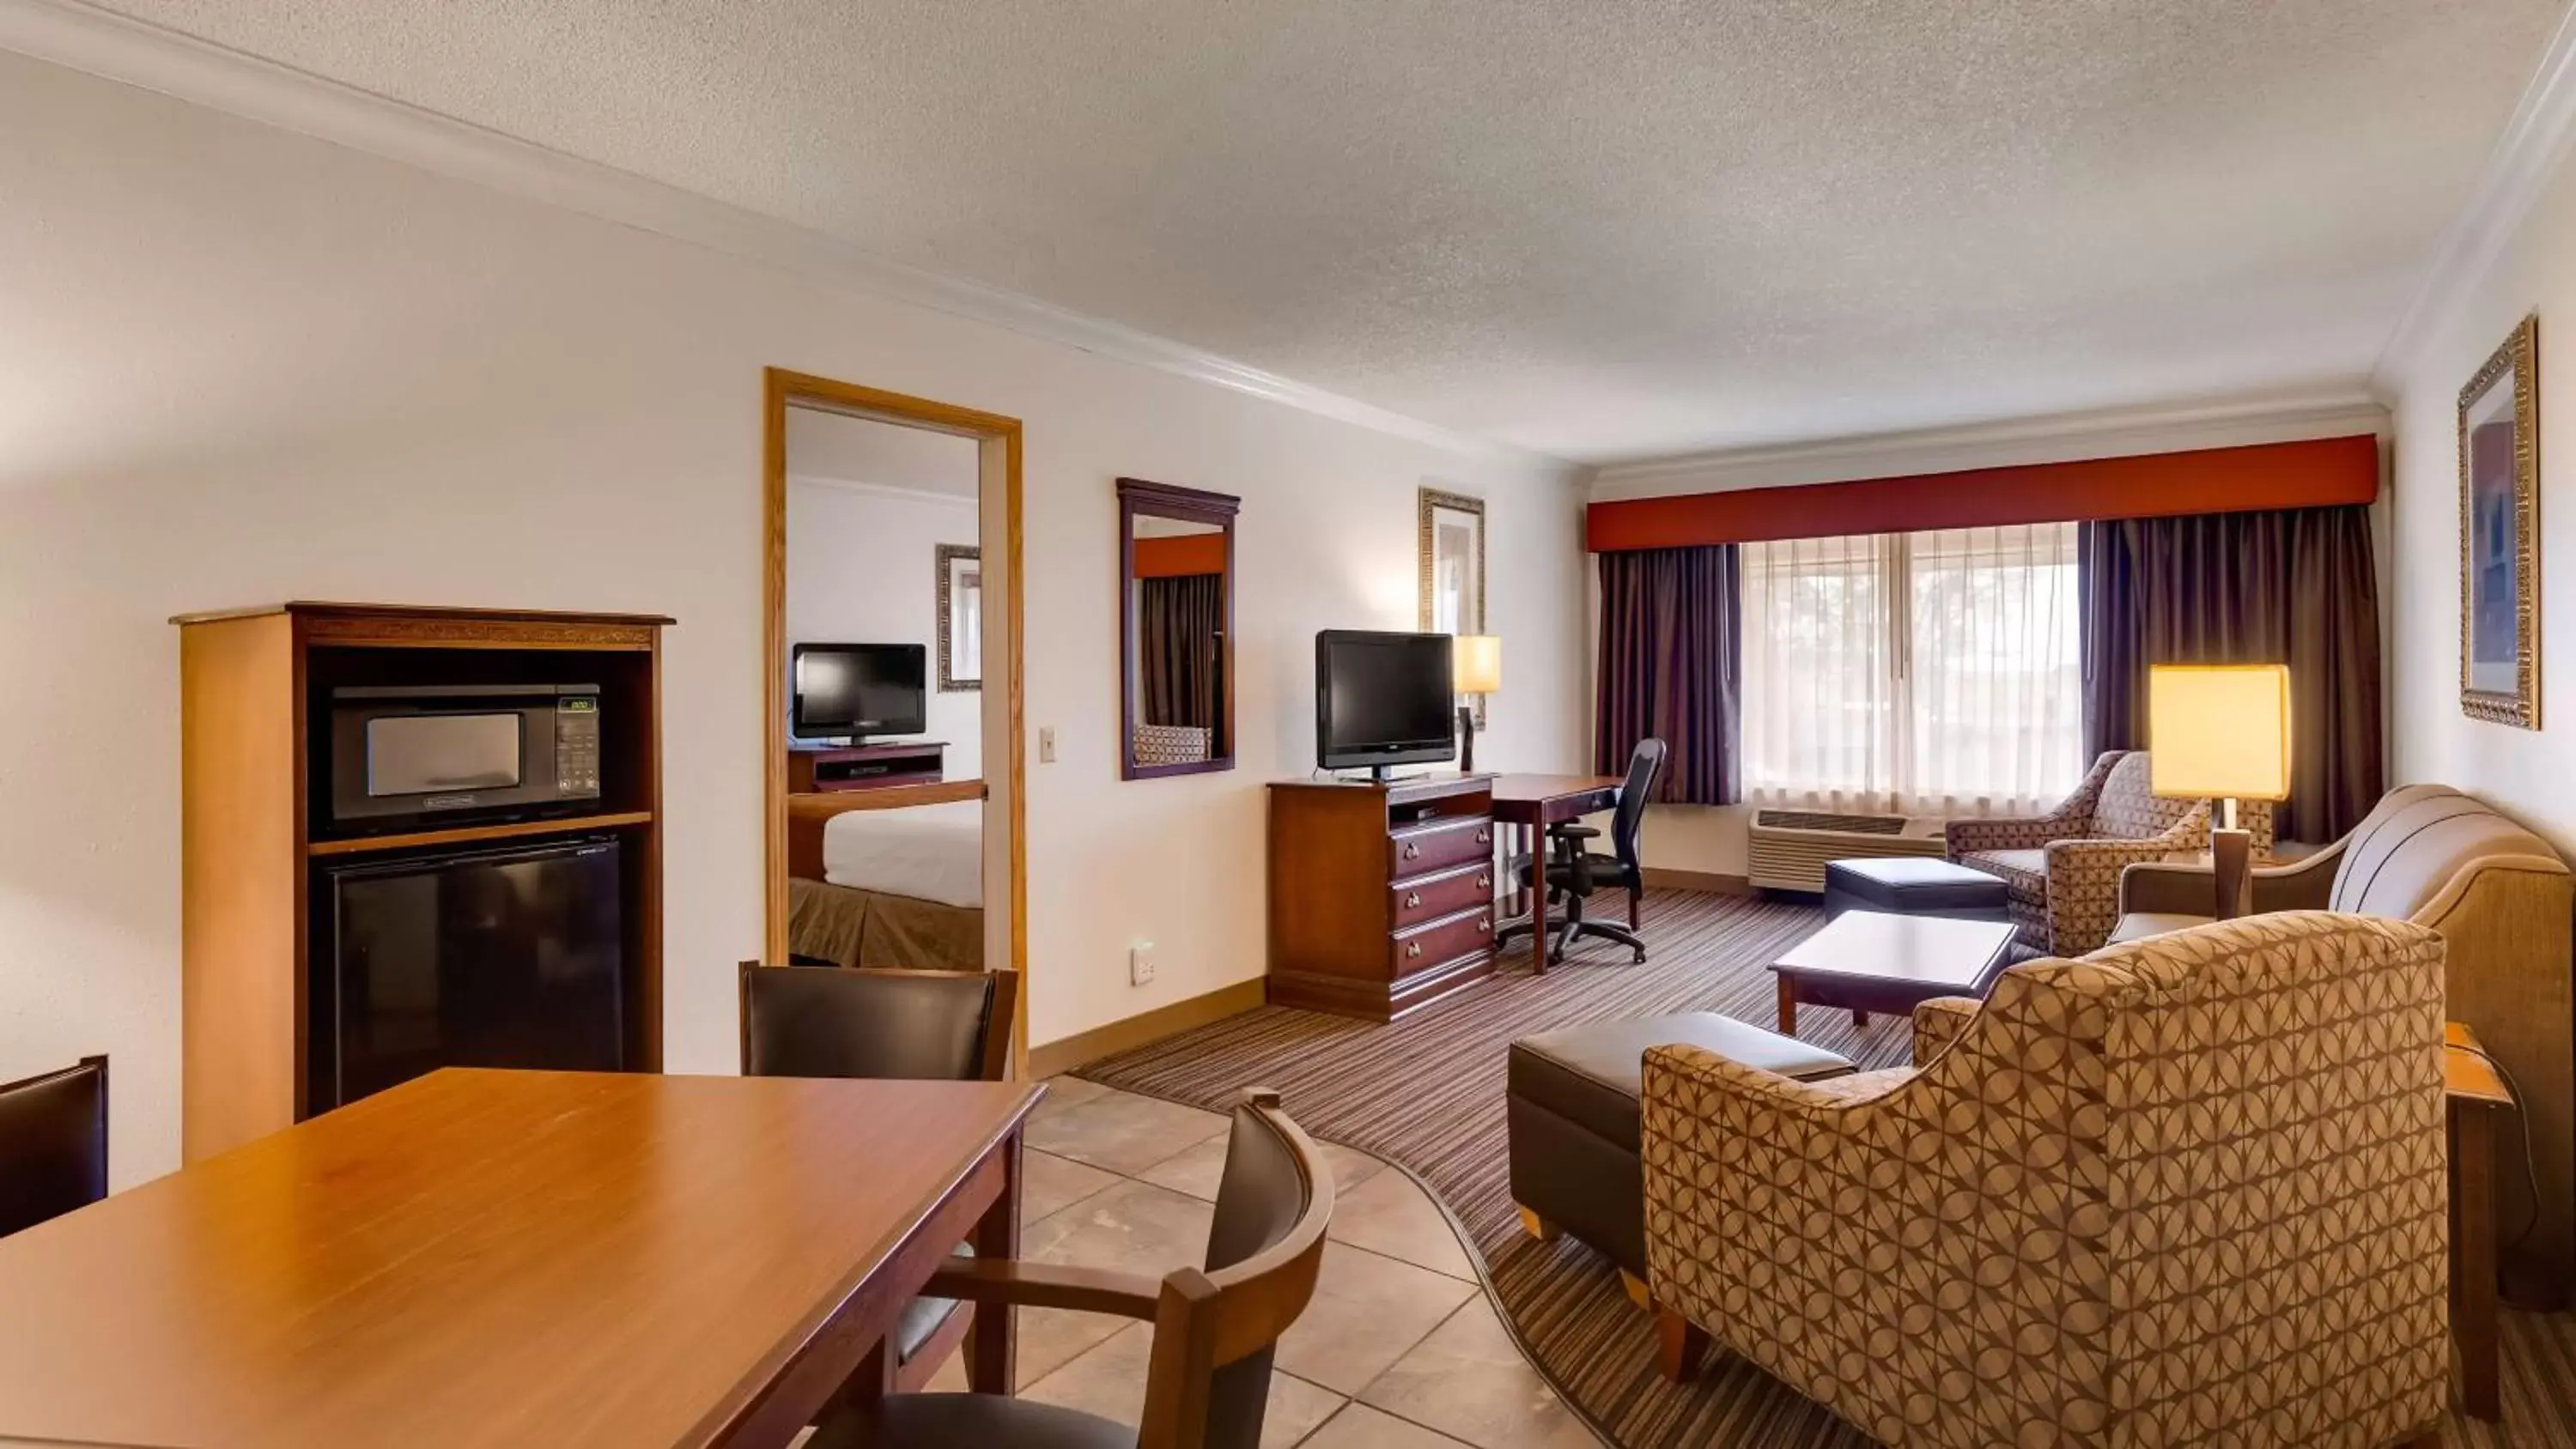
column 1046, row 744
column 1140, row 963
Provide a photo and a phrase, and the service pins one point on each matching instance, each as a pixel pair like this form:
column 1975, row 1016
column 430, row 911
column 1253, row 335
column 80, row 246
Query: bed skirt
column 839, row 926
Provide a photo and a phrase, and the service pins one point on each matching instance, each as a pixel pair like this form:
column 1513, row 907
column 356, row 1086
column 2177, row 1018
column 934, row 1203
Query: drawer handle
column 1412, row 851
column 1484, row 837
column 1484, row 882
column 1412, row 898
column 1484, row 923
column 1413, row 948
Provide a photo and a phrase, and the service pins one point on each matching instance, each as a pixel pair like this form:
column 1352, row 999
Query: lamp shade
column 1477, row 663
column 2219, row 731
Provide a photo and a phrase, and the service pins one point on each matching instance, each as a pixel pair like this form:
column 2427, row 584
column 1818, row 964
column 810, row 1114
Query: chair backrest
column 2129, row 810
column 53, row 1144
column 1217, row 1329
column 832, row 1021
column 2414, row 841
column 1645, row 762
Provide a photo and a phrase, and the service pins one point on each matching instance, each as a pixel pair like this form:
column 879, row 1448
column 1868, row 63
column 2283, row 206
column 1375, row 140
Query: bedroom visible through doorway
column 892, row 745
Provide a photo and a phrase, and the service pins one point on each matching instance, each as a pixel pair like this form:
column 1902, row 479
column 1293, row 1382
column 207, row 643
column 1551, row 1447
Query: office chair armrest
column 1046, row 1285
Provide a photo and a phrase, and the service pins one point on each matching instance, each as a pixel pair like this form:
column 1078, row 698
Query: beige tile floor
column 1398, row 1350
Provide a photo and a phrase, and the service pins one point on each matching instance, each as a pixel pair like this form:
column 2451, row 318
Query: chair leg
column 1636, row 895
column 1539, row 1227
column 1635, row 1288
column 1679, row 1345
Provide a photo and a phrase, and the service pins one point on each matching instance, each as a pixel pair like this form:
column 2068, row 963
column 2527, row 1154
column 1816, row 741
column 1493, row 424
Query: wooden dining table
column 503, row 1258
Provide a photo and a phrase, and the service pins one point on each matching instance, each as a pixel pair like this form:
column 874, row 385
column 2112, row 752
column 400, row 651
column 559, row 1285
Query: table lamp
column 1476, row 667
column 2222, row 732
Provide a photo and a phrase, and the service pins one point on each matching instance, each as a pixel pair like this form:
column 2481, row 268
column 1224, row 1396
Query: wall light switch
column 1046, row 744
column 1140, row 963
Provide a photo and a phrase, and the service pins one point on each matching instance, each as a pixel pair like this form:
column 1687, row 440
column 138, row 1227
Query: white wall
column 2526, row 772
column 238, row 365
column 861, row 568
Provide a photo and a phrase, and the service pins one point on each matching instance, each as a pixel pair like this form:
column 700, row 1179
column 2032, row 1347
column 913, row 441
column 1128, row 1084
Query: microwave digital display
column 426, row 754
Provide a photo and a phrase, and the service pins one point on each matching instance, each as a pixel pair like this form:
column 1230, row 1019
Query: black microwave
column 444, row 753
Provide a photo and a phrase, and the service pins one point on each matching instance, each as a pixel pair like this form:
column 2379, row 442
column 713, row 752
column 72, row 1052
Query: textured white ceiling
column 1599, row 230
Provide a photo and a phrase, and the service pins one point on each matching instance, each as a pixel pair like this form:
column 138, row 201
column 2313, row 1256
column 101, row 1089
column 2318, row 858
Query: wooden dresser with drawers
column 1381, row 894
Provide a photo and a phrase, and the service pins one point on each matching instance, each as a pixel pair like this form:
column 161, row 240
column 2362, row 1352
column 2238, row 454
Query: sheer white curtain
column 1927, row 673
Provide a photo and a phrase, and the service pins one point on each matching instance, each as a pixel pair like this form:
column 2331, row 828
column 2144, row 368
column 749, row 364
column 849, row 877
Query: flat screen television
column 857, row 690
column 1382, row 699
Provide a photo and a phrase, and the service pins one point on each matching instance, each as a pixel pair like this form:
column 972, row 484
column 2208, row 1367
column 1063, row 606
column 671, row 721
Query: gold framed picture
column 2500, row 534
column 1450, row 540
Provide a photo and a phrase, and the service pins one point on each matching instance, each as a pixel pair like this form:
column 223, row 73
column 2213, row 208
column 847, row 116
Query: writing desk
column 485, row 1257
column 1529, row 804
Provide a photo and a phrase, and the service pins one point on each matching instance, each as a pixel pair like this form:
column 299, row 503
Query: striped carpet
column 1427, row 1093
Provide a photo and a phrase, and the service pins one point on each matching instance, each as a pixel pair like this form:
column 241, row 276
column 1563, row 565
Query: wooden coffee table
column 1865, row 961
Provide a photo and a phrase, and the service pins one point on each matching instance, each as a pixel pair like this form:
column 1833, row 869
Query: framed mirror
column 1176, row 629
column 961, row 618
column 1451, row 541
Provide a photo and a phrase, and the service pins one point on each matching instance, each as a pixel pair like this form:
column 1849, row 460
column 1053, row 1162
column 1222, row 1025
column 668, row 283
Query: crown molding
column 120, row 49
column 2062, row 438
column 2526, row 158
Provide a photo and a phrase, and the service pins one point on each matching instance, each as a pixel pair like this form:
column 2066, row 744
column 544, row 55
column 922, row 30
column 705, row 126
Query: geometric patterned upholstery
column 2061, row 870
column 2182, row 1192
column 1172, row 744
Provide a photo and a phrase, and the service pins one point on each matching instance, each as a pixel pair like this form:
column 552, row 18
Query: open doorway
column 892, row 743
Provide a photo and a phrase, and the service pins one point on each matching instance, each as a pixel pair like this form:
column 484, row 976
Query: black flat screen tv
column 1382, row 699
column 857, row 690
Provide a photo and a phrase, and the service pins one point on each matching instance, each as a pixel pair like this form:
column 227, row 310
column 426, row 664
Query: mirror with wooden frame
column 1450, row 539
column 1176, row 629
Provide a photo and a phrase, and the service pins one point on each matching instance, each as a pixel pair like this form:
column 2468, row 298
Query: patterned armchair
column 2186, row 1191
column 2061, row 870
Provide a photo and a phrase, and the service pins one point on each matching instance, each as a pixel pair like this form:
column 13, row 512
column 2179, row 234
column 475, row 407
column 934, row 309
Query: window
column 1932, row 673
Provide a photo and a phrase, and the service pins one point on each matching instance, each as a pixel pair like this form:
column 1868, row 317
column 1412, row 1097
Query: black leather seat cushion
column 1591, row 1074
column 1912, row 885
column 969, row 1421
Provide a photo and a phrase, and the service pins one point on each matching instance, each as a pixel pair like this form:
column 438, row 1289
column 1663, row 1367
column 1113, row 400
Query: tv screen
column 858, row 689
column 1382, row 699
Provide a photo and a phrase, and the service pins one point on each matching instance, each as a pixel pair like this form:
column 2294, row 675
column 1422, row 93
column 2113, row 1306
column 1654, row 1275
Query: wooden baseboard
column 1697, row 880
column 1083, row 1048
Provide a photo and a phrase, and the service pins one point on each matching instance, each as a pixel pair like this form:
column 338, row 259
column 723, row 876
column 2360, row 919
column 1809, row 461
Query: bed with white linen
column 890, row 888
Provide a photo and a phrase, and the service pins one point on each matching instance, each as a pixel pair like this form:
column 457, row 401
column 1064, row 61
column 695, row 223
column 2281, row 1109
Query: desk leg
column 992, row 1339
column 2474, row 1291
column 1538, row 912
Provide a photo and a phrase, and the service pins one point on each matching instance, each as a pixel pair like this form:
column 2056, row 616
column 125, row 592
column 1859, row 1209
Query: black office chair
column 1573, row 873
column 834, row 1021
column 53, row 1144
column 1207, row 1381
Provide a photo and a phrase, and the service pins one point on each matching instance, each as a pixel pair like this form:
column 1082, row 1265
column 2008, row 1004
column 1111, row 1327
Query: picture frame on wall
column 961, row 618
column 1450, row 538
column 2500, row 534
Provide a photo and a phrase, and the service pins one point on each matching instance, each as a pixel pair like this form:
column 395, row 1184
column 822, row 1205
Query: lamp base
column 1466, row 739
column 2231, row 861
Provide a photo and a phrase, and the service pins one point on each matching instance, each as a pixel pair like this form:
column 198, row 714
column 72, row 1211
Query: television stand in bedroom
column 823, row 769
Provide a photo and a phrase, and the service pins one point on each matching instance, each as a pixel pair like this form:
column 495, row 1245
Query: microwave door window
column 426, row 754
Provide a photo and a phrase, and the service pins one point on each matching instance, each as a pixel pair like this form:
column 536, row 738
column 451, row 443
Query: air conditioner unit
column 1790, row 847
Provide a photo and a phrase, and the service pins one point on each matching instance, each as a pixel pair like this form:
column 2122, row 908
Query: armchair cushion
column 2196, row 1171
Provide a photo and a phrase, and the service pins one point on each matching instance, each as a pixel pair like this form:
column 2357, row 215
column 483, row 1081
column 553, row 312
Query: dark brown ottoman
column 1571, row 1103
column 1913, row 886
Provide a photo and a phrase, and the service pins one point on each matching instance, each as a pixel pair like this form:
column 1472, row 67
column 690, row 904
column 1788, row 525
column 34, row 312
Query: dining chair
column 833, row 1021
column 1208, row 1380
column 53, row 1144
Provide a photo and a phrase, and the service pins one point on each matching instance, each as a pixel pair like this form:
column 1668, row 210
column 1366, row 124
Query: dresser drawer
column 1431, row 897
column 1425, row 849
column 1440, row 941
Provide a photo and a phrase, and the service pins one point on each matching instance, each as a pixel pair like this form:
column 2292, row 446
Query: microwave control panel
column 577, row 745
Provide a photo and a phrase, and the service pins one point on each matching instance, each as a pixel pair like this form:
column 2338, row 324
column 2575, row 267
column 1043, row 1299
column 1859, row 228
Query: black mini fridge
column 510, row 957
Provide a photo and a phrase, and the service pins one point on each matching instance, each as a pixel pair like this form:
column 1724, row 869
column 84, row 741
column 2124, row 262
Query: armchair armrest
column 1938, row 1022
column 2085, row 882
column 1046, row 1285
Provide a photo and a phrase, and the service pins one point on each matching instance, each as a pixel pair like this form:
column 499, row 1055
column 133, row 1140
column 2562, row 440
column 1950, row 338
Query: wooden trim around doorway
column 999, row 455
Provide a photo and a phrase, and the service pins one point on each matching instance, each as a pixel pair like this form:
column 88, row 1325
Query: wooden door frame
column 998, row 453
